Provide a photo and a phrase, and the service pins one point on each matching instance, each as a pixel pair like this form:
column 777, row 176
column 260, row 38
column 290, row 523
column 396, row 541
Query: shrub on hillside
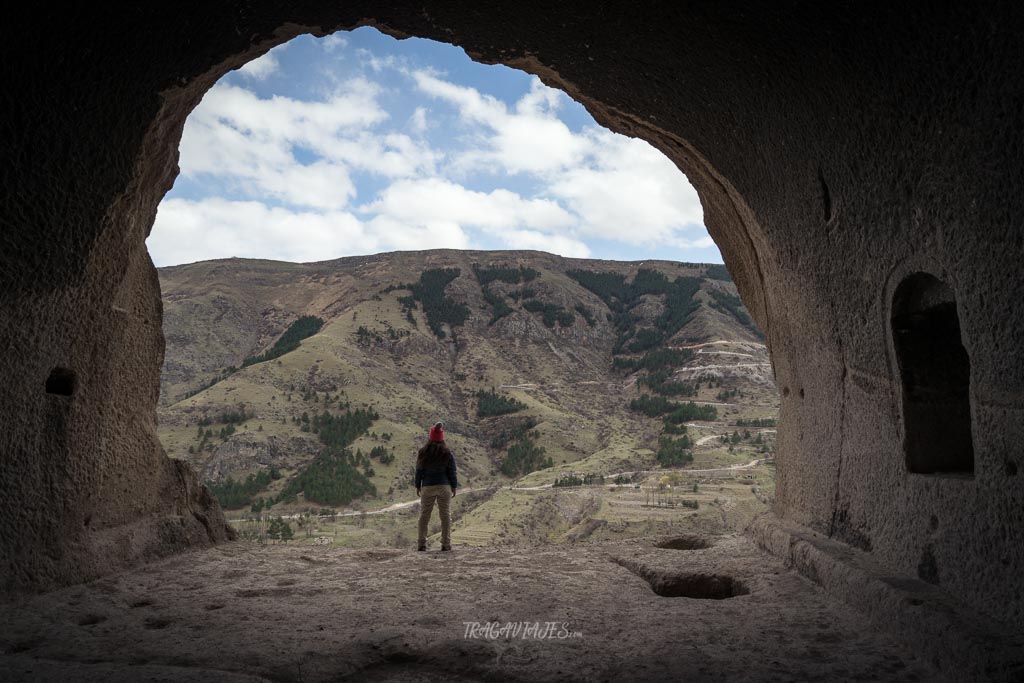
column 491, row 403
column 438, row 308
column 674, row 452
column 524, row 457
column 304, row 327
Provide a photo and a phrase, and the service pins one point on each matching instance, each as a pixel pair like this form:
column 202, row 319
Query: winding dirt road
column 541, row 487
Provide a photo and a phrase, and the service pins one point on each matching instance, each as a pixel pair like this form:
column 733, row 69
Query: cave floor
column 239, row 612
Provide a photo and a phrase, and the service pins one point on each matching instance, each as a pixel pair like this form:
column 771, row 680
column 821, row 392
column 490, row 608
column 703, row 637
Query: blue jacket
column 443, row 474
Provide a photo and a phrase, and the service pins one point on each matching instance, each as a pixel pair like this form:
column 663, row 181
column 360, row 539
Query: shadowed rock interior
column 839, row 151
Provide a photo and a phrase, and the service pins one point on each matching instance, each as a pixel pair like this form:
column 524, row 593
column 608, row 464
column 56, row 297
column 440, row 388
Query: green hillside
column 540, row 366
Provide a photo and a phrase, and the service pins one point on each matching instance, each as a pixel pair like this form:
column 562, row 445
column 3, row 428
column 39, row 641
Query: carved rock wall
column 837, row 148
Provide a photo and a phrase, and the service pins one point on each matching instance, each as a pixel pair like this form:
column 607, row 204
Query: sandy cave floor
column 240, row 612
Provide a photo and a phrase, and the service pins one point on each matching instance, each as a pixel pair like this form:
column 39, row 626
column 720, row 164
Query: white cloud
column 392, row 155
column 704, row 242
column 398, row 235
column 188, row 231
column 377, row 63
column 312, row 157
column 532, row 139
column 252, row 143
column 434, row 200
column 432, row 213
column 312, row 123
column 320, row 185
column 261, row 67
column 471, row 103
column 554, row 244
column 540, row 101
column 332, row 42
column 259, row 165
column 235, row 133
column 620, row 188
column 418, row 121
column 628, row 192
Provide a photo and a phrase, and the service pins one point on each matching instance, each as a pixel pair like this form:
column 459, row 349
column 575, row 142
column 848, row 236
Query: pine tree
column 274, row 530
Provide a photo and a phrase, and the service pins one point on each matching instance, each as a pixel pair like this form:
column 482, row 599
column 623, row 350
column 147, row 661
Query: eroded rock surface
column 839, row 150
column 239, row 612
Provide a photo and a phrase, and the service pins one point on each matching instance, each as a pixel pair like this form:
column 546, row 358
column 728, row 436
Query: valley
column 585, row 400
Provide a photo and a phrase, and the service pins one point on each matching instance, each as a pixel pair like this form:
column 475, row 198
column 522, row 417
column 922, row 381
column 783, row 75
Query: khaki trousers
column 442, row 495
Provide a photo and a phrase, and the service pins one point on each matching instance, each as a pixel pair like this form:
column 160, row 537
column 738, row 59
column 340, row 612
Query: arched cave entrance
column 828, row 147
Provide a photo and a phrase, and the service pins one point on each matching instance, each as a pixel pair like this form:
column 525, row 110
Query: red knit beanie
column 437, row 432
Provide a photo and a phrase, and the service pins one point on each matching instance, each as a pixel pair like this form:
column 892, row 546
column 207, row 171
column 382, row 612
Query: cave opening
column 271, row 167
column 935, row 374
column 356, row 143
column 817, row 188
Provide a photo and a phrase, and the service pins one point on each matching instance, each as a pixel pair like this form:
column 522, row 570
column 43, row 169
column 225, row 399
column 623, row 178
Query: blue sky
column 358, row 143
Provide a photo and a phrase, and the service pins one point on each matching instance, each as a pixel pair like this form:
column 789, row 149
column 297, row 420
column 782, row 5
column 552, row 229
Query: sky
column 358, row 143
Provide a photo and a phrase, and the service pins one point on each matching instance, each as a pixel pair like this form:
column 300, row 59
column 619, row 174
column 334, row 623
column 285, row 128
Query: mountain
column 319, row 380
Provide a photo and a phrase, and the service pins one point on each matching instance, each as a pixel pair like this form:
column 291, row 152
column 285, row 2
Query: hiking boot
column 421, row 548
column 446, row 547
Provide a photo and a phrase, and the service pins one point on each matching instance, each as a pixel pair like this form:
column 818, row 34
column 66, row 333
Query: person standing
column 436, row 482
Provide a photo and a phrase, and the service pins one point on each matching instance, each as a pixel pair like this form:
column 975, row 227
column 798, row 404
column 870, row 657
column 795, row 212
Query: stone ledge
column 951, row 636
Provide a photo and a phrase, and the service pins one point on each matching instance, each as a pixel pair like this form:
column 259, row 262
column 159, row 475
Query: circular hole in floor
column 685, row 543
column 698, row 586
